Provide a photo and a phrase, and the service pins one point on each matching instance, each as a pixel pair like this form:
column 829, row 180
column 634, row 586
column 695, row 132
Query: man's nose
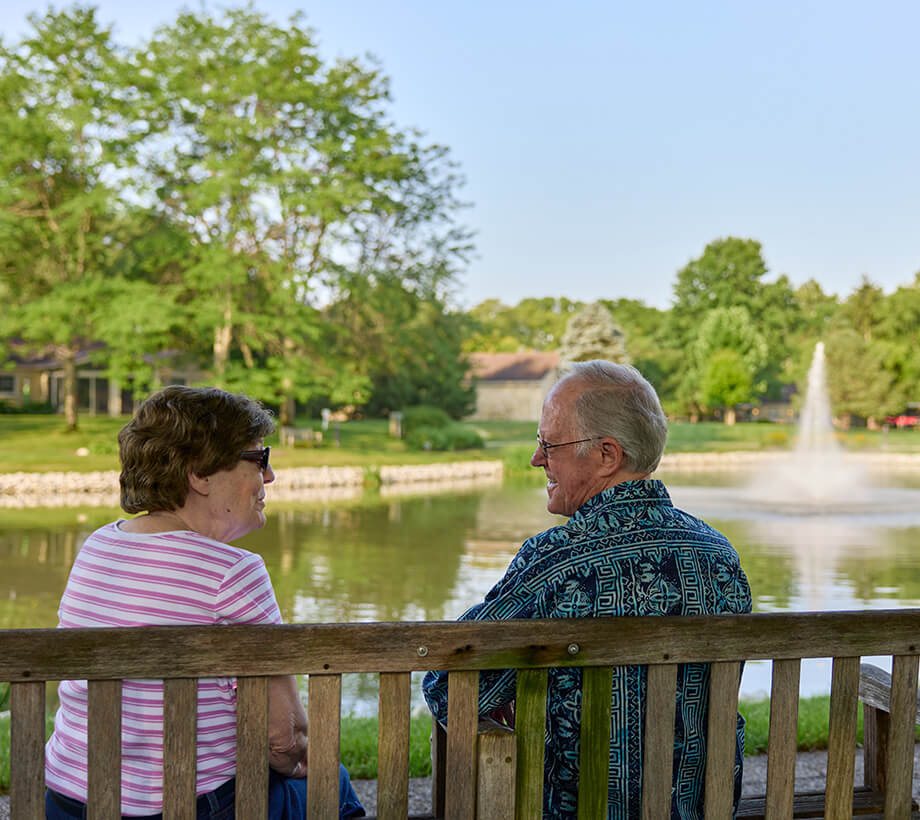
column 537, row 459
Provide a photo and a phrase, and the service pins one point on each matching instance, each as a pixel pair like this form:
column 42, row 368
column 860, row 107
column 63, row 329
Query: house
column 512, row 386
column 40, row 380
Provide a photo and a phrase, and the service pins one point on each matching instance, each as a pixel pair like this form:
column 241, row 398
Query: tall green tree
column 291, row 182
column 64, row 133
column 858, row 384
column 729, row 357
column 531, row 324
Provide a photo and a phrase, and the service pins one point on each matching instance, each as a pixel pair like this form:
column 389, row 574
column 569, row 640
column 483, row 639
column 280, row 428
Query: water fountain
column 817, row 477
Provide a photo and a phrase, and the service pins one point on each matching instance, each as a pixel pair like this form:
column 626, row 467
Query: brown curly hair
column 180, row 431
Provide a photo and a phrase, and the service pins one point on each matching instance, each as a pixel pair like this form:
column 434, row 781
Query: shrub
column 424, row 416
column 451, row 437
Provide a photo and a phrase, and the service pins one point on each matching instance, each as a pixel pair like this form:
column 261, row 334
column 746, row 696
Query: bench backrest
column 180, row 655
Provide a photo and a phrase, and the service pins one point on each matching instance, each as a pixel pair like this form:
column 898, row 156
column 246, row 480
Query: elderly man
column 625, row 550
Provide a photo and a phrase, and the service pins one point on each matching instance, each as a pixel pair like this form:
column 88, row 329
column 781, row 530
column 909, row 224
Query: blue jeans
column 287, row 800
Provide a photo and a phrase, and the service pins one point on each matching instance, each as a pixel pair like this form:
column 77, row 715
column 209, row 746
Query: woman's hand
column 287, row 728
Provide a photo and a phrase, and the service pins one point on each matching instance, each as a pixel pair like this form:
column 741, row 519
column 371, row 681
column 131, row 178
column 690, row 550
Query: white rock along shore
column 100, row 489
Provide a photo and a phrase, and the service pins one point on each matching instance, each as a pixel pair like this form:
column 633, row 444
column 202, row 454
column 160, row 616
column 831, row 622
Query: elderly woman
column 195, row 464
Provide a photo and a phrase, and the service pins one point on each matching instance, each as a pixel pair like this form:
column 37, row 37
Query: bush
column 26, row 408
column 424, row 416
column 451, row 437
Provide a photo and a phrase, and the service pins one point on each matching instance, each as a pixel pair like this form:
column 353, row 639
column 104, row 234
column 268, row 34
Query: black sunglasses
column 259, row 457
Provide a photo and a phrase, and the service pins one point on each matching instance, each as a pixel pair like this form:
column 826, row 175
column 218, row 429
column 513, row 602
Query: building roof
column 527, row 366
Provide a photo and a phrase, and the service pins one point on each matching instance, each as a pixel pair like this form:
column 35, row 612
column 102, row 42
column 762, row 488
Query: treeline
column 220, row 195
column 734, row 336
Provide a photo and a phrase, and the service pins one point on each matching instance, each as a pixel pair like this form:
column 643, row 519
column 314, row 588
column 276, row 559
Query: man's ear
column 199, row 484
column 612, row 456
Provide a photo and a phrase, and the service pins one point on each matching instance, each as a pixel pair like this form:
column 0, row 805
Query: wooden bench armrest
column 875, row 688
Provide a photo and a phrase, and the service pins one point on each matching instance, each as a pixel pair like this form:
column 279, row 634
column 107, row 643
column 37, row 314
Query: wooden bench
column 495, row 774
column 292, row 436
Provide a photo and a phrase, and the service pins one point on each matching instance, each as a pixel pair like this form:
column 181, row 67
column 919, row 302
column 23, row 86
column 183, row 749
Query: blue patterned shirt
column 627, row 551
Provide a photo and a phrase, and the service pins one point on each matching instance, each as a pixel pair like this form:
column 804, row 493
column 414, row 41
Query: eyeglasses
column 259, row 457
column 546, row 446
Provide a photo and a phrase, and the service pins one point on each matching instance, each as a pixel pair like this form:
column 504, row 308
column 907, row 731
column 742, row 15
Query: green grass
column 812, row 729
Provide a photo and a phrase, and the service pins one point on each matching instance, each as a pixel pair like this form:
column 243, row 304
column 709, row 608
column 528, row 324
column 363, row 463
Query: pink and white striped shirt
column 132, row 579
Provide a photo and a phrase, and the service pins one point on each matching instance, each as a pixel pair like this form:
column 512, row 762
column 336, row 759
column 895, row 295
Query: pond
column 389, row 557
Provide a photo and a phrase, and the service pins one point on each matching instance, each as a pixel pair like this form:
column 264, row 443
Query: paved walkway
column 810, row 774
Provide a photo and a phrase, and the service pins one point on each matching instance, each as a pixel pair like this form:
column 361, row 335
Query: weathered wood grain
column 901, row 739
column 721, row 741
column 841, row 736
column 497, row 758
column 594, row 755
column 252, row 748
column 438, row 768
column 530, row 726
column 46, row 654
column 180, row 732
column 782, row 742
column 103, row 798
column 393, row 746
column 324, row 705
column 462, row 727
column 875, row 689
column 658, row 760
column 27, row 750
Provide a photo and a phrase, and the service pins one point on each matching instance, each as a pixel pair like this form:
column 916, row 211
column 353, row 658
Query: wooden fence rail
column 495, row 774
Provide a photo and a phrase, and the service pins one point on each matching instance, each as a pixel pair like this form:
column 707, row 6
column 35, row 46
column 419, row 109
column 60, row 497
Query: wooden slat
column 497, row 758
column 875, row 688
column 875, row 747
column 238, row 650
column 180, row 761
column 103, row 798
column 904, row 670
column 462, row 725
column 252, row 747
column 438, row 768
column 658, row 759
column 27, row 750
column 720, row 750
column 530, row 727
column 324, row 702
column 594, row 756
column 393, row 747
column 782, row 743
column 841, row 736
column 866, row 806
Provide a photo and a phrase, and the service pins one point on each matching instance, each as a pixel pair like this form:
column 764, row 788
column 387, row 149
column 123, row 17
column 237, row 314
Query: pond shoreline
column 100, row 489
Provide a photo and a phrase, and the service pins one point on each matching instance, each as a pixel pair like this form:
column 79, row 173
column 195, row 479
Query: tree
column 729, row 357
column 409, row 346
column 592, row 334
column 292, row 185
column 63, row 128
column 726, row 381
column 531, row 324
column 857, row 383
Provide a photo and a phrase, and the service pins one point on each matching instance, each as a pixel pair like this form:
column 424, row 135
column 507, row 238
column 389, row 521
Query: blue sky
column 605, row 143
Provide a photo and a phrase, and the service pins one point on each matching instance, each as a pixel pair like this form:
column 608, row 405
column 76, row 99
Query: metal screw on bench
column 574, row 649
column 422, row 651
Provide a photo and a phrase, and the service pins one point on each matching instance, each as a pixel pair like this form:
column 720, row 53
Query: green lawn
column 41, row 443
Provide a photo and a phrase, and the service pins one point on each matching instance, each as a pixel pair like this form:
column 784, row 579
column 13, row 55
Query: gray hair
column 617, row 401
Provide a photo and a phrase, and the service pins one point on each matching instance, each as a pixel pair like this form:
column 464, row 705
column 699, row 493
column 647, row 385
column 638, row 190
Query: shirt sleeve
column 511, row 598
column 246, row 596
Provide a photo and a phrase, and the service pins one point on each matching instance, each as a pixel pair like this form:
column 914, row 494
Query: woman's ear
column 199, row 484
